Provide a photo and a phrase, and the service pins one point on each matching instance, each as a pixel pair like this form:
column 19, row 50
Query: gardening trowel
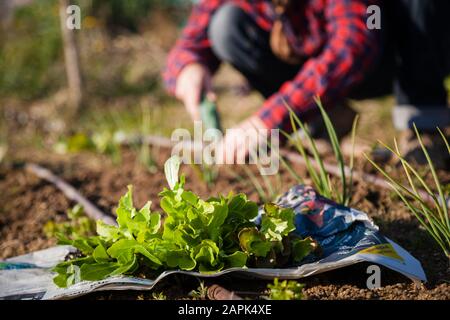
column 209, row 114
column 211, row 120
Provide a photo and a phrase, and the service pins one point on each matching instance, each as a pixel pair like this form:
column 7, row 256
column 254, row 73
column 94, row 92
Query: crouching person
column 291, row 51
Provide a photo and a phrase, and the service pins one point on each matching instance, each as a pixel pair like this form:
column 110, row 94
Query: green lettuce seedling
column 202, row 235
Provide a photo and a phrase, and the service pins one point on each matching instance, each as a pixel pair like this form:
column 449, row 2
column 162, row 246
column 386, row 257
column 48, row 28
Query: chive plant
column 319, row 176
column 432, row 215
column 268, row 190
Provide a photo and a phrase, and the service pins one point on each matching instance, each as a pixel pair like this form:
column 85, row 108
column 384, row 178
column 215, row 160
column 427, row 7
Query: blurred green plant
column 159, row 296
column 29, row 48
column 78, row 225
column 268, row 191
column 144, row 153
column 102, row 142
column 201, row 293
column 123, row 14
column 206, row 173
column 285, row 290
column 130, row 14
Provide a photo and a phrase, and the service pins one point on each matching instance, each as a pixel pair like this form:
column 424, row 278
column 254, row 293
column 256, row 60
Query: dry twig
column 70, row 192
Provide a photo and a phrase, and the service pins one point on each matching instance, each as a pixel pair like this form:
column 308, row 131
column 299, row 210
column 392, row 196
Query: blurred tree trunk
column 71, row 57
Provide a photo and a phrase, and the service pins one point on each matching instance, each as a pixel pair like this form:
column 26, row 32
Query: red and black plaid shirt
column 334, row 36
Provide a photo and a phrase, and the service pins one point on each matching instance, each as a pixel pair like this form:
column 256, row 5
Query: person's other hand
column 237, row 144
column 192, row 81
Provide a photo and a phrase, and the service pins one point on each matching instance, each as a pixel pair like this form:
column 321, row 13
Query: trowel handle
column 209, row 114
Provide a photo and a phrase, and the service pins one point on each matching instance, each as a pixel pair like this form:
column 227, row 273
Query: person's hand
column 241, row 140
column 192, row 81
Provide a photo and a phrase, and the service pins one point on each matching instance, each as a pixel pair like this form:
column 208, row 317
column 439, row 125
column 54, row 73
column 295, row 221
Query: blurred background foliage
column 30, row 45
column 130, row 14
column 31, row 54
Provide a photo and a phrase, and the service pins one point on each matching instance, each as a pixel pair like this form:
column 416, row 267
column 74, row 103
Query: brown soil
column 27, row 203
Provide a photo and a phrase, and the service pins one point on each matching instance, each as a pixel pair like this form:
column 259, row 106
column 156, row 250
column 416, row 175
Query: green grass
column 432, row 215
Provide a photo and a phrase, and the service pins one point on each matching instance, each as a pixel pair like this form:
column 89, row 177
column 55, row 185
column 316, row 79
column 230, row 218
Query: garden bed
column 28, row 203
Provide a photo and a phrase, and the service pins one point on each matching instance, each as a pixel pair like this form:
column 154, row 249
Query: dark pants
column 413, row 64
